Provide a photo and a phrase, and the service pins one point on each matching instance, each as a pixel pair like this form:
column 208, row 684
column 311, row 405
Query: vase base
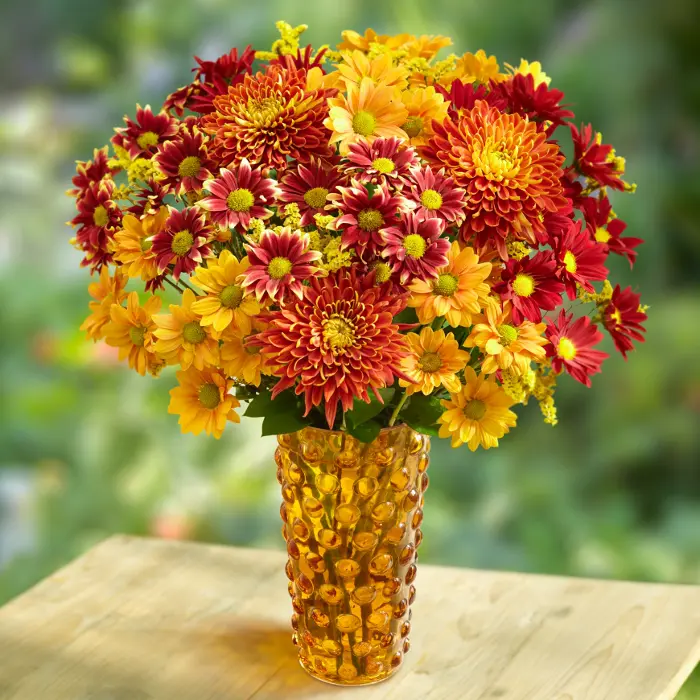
column 357, row 681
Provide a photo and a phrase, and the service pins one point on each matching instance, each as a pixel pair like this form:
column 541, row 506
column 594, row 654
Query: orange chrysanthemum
column 509, row 169
column 423, row 105
column 133, row 246
column 269, row 119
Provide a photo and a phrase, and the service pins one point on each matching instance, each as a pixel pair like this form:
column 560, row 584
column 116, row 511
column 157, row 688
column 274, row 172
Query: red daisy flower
column 279, row 263
column 183, row 242
column 364, row 216
column 623, row 318
column 531, row 285
column 596, row 160
column 98, row 218
column 90, row 171
column 414, row 248
column 337, row 343
column 434, row 195
column 143, row 136
column 150, row 196
column 463, row 96
column 510, row 171
column 606, row 230
column 308, row 186
column 238, row 195
column 302, row 60
column 385, row 160
column 184, row 161
column 572, row 346
column 580, row 261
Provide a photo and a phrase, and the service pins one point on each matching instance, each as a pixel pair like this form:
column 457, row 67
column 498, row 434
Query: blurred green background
column 87, row 446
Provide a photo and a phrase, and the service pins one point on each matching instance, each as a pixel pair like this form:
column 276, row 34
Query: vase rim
column 327, row 431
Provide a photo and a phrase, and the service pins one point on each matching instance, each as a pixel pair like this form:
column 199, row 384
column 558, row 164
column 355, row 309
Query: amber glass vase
column 352, row 513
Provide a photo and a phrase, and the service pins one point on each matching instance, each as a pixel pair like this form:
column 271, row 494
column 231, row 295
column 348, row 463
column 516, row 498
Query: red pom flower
column 623, row 318
column 183, row 242
column 572, row 346
column 433, row 195
column 143, row 136
column 580, row 261
column 385, row 160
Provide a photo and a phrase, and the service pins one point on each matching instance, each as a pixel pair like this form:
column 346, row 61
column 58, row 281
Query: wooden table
column 151, row 620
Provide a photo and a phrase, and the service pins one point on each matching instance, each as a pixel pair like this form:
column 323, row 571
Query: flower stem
column 172, row 284
column 187, row 285
column 398, row 408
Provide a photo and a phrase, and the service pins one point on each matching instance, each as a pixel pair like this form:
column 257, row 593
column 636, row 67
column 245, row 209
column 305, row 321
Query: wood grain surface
column 142, row 619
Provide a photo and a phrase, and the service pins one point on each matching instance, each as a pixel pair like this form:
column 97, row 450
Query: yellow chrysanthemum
column 473, row 67
column 226, row 302
column 504, row 344
column 183, row 339
column 434, row 360
column 478, row 414
column 131, row 330
column 133, row 247
column 203, row 401
column 107, row 291
column 365, row 113
column 380, row 70
column 459, row 292
column 423, row 105
column 533, row 68
column 242, row 361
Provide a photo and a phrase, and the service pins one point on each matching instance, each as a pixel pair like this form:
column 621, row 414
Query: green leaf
column 367, row 431
column 260, row 406
column 422, row 414
column 281, row 423
column 362, row 412
column 408, row 315
column 281, row 415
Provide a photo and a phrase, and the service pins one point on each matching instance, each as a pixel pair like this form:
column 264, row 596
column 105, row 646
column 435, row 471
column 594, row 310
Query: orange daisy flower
column 243, row 361
column 423, row 105
column 107, row 291
column 355, row 65
column 132, row 246
column 473, row 67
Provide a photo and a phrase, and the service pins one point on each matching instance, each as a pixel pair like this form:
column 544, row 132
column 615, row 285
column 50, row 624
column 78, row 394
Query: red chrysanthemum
column 308, row 186
column 623, row 318
column 606, row 230
column 238, row 195
column 143, row 136
column 572, row 346
column 414, row 248
column 510, row 171
column 184, row 161
column 434, row 195
column 279, row 263
column 90, row 171
column 98, row 219
column 269, row 119
column 385, row 160
column 183, row 242
column 364, row 216
column 580, row 261
column 531, row 285
column 596, row 160
column 337, row 343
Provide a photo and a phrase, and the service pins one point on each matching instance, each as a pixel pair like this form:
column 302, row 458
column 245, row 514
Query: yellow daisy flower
column 380, row 70
column 131, row 330
column 478, row 414
column 242, row 361
column 435, row 360
column 365, row 113
column 203, row 401
column 353, row 40
column 474, row 67
column 426, row 46
column 226, row 301
column 459, row 291
column 132, row 245
column 505, row 345
column 183, row 339
column 423, row 105
column 533, row 68
column 106, row 291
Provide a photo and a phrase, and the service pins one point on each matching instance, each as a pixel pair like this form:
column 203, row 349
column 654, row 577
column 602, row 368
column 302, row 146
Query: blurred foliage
column 613, row 491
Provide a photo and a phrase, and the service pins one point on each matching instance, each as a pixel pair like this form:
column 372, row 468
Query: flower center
column 279, row 267
column 383, row 165
column 370, row 219
column 414, row 245
column 100, row 216
column 566, row 349
column 431, row 199
column 209, row 396
column 601, row 235
column 146, row 244
column 446, row 285
column 148, row 138
column 338, row 333
column 494, row 163
column 137, row 335
column 316, row 198
column 508, row 334
column 193, row 333
column 382, row 272
column 231, row 296
column 182, row 243
column 264, row 111
column 363, row 123
column 413, row 126
column 475, row 409
column 189, row 167
column 523, row 285
column 570, row 262
column 430, row 362
column 240, row 200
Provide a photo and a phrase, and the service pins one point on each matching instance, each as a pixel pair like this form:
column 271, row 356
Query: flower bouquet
column 365, row 247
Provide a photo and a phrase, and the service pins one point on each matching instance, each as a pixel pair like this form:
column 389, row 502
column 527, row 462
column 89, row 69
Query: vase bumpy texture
column 352, row 513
